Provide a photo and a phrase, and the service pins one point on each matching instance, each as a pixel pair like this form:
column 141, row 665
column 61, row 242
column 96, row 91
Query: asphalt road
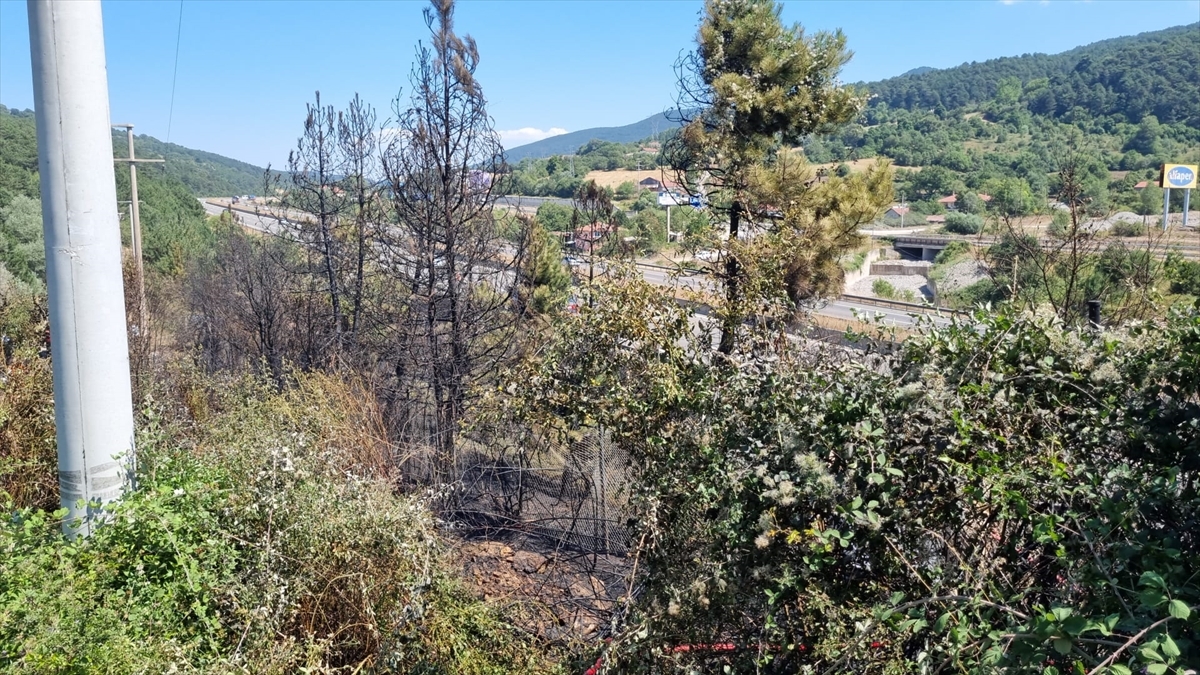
column 530, row 203
column 841, row 308
column 845, row 309
column 262, row 223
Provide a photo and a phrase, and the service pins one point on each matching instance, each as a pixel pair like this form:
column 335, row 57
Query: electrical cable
column 175, row 73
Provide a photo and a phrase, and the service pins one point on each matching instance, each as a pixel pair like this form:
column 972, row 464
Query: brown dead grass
column 612, row 179
column 857, row 165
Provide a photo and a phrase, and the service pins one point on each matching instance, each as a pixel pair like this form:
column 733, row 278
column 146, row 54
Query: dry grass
column 856, row 165
column 614, row 178
column 28, row 458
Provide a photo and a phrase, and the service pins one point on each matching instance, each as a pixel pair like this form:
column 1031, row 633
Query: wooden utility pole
column 135, row 229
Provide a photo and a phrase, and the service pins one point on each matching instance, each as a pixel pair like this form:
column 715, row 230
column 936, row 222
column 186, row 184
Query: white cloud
column 515, row 137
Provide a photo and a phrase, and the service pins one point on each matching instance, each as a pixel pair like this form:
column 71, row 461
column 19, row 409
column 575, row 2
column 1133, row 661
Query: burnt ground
column 551, row 591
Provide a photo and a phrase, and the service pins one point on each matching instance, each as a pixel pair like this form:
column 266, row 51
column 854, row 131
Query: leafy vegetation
column 964, row 223
column 217, row 563
column 1006, row 493
column 174, row 225
column 1001, row 494
column 1003, row 127
column 1124, row 78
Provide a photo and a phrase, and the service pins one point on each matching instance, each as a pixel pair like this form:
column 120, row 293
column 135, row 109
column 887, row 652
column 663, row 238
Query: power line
column 175, row 74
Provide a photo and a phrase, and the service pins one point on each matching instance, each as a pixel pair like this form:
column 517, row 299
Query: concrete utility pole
column 93, row 403
column 135, row 229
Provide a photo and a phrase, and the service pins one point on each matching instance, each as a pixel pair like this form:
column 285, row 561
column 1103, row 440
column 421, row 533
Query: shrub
column 1184, row 275
column 853, row 262
column 273, row 544
column 883, row 288
column 1059, row 223
column 963, row 223
column 953, row 250
column 1127, row 228
column 999, row 495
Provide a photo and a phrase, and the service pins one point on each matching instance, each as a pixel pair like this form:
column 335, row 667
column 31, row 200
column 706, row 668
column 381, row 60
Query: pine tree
column 752, row 87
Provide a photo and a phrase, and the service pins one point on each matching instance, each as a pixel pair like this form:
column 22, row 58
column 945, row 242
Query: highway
column 260, row 222
column 841, row 308
column 531, row 203
column 844, row 308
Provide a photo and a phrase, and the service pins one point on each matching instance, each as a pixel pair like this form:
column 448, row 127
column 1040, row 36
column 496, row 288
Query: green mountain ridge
column 174, row 225
column 568, row 144
column 206, row 174
column 1151, row 73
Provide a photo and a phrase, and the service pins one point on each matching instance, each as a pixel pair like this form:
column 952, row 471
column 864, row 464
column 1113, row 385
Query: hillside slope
column 1130, row 77
column 206, row 174
column 173, row 223
column 568, row 144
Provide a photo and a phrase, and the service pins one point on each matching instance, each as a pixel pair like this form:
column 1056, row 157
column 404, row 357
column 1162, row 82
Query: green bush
column 1059, row 223
column 273, row 543
column 854, row 261
column 999, row 495
column 963, row 223
column 1184, row 275
column 953, row 250
column 1125, row 228
column 882, row 288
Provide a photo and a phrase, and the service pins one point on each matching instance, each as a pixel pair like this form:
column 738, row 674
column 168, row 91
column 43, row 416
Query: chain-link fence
column 572, row 494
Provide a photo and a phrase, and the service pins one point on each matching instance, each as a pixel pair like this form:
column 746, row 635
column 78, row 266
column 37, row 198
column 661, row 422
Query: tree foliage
column 1129, row 78
column 22, row 250
column 752, row 86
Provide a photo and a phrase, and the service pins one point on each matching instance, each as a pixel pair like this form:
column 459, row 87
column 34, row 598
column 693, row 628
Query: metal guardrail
column 1188, row 249
column 899, row 304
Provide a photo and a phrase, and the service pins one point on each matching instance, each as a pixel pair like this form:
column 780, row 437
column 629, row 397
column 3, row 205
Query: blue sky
column 246, row 69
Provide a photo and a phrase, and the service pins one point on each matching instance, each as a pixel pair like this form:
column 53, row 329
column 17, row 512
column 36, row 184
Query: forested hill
column 1152, row 73
column 204, row 173
column 568, row 144
column 174, row 226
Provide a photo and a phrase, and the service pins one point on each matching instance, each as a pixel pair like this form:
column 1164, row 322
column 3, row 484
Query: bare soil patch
column 553, row 592
column 614, row 178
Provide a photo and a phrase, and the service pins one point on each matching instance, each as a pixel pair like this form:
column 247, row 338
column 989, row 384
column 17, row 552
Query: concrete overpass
column 920, row 248
column 927, row 246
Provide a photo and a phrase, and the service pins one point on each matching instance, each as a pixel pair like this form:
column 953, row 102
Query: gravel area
column 962, row 274
column 1098, row 225
column 908, row 282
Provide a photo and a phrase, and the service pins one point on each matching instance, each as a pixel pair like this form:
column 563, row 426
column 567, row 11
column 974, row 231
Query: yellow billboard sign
column 1178, row 176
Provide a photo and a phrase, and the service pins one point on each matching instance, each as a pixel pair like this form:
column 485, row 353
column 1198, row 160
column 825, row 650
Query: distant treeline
column 1124, row 78
column 205, row 174
column 174, row 225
